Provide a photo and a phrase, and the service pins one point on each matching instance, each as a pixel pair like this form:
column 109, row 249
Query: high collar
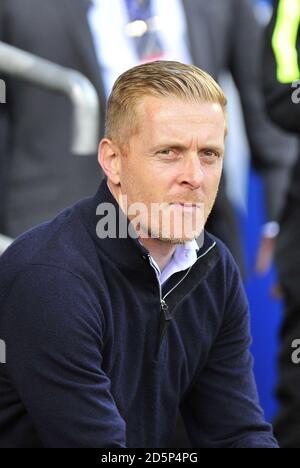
column 127, row 252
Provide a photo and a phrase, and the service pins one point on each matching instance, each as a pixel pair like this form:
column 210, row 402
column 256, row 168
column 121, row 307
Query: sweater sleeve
column 221, row 409
column 53, row 328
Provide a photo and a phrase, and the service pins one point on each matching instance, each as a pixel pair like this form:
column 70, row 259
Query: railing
column 4, row 243
column 86, row 114
column 79, row 90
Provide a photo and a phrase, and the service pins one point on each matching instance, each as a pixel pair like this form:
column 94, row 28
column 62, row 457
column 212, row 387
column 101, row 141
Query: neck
column 162, row 252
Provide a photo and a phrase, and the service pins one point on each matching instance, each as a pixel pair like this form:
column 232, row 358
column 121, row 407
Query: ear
column 109, row 160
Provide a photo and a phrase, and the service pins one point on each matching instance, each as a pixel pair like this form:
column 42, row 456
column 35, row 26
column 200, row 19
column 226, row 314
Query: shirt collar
column 184, row 257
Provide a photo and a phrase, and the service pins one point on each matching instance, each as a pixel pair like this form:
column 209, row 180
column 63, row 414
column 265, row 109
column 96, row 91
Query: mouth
column 187, row 206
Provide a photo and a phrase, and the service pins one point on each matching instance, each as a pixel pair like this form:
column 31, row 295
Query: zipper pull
column 164, row 323
column 165, row 310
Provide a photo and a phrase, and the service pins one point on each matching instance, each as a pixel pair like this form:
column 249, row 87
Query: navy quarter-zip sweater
column 98, row 356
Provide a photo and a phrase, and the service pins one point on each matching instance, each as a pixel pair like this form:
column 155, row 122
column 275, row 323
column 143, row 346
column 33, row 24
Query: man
column 111, row 332
column 281, row 70
column 41, row 175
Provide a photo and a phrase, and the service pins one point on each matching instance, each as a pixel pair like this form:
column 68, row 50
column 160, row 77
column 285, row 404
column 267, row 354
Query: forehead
column 165, row 120
column 169, row 116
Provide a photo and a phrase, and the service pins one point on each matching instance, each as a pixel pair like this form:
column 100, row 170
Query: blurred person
column 281, row 75
column 102, row 39
column 4, row 149
column 109, row 336
column 42, row 176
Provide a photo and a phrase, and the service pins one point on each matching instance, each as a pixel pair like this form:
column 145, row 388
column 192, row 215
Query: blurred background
column 249, row 197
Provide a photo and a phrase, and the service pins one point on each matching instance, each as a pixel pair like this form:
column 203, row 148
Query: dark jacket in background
column 285, row 114
column 42, row 175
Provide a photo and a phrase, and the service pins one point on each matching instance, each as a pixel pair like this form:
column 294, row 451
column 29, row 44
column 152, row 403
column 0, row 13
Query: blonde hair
column 161, row 79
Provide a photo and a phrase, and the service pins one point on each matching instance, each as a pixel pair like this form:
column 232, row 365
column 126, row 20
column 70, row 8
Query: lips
column 187, row 205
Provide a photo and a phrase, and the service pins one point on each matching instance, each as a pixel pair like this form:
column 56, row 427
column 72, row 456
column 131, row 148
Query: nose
column 192, row 172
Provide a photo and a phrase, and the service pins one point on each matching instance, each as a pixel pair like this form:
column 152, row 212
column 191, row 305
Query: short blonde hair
column 161, row 79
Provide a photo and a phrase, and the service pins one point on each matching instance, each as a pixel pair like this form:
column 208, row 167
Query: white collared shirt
column 184, row 257
column 114, row 48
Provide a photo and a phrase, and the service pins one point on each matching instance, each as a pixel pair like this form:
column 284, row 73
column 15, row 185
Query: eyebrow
column 176, row 145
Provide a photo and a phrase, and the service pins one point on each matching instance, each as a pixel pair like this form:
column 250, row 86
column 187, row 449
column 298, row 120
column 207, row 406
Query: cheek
column 133, row 174
column 140, row 182
column 211, row 182
column 158, row 177
column 165, row 175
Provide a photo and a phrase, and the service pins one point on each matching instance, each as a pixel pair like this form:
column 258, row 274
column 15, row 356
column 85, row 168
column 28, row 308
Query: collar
column 184, row 257
column 186, row 253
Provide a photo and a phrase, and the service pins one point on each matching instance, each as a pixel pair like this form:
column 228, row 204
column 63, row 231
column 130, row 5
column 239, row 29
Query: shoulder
column 45, row 302
column 226, row 277
column 59, row 249
column 226, row 261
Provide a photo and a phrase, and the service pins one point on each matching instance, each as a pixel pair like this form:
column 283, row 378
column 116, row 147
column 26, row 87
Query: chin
column 173, row 241
column 178, row 240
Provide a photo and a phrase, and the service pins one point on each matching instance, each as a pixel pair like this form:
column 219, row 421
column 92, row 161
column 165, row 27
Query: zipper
column 201, row 256
column 165, row 316
column 164, row 309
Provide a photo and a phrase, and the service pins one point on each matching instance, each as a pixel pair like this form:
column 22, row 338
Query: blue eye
column 211, row 153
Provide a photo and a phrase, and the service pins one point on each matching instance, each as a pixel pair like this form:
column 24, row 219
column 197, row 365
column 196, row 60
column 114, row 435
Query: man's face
column 174, row 162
